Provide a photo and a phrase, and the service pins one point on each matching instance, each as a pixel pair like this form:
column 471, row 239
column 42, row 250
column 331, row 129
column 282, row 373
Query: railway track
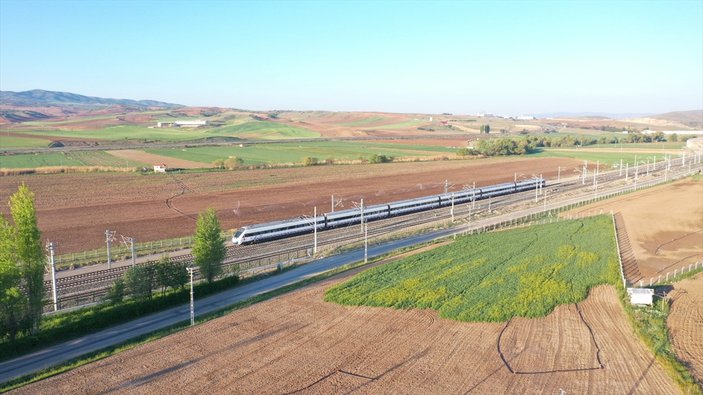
column 93, row 284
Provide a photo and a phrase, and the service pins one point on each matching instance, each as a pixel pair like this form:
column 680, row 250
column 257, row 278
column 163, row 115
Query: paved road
column 62, row 352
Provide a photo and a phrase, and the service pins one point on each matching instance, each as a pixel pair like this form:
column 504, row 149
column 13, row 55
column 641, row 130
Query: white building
column 160, row 168
column 641, row 296
column 182, row 124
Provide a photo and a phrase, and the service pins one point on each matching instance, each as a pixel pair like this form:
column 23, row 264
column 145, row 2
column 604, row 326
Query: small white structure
column 641, row 296
column 182, row 124
column 160, row 168
column 191, row 123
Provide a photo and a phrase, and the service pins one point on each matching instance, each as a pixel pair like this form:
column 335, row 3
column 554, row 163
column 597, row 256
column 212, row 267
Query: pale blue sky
column 511, row 57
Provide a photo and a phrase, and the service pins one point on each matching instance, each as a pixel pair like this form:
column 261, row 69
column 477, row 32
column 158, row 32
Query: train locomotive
column 291, row 227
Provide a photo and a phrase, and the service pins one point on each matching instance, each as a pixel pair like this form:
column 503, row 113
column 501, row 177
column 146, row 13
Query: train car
column 353, row 216
column 413, row 205
column 296, row 226
column 276, row 230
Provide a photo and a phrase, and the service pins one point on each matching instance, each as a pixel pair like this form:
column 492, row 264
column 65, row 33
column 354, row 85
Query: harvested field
column 144, row 157
column 75, row 209
column 685, row 323
column 665, row 225
column 298, row 343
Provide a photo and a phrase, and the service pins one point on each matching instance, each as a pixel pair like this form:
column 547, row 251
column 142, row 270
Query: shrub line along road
column 63, row 352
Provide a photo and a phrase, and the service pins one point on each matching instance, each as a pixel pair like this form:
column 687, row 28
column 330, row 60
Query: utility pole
column 583, row 175
column 366, row 242
column 515, row 177
column 446, row 186
column 362, row 215
column 536, row 190
column 473, row 196
column 130, row 240
column 620, row 168
column 314, row 245
column 627, row 170
column 452, row 210
column 332, row 203
column 109, row 238
column 648, row 166
column 558, row 174
column 50, row 247
column 192, row 305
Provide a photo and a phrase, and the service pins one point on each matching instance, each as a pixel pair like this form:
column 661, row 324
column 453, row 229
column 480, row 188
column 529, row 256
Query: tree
column 674, row 138
column 310, row 161
column 488, row 129
column 12, row 300
column 218, row 163
column 209, row 245
column 170, row 274
column 116, row 293
column 232, row 163
column 139, row 281
column 28, row 252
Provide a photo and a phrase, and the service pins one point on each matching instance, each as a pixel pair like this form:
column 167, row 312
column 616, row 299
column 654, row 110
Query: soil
column 74, row 210
column 665, row 225
column 145, row 157
column 299, row 343
column 686, row 321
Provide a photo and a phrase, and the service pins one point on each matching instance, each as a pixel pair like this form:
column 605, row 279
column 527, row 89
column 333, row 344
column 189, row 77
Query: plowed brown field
column 665, row 225
column 75, row 209
column 299, row 343
column 686, row 323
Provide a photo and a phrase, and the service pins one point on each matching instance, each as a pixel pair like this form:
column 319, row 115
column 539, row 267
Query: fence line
column 672, row 275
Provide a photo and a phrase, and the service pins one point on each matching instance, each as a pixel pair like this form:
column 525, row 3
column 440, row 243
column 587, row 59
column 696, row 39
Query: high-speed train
column 290, row 227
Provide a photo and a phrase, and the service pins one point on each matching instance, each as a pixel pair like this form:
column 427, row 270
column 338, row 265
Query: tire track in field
column 184, row 189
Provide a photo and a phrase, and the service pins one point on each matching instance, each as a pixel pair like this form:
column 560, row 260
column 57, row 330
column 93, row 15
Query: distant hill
column 42, row 98
column 590, row 115
column 693, row 118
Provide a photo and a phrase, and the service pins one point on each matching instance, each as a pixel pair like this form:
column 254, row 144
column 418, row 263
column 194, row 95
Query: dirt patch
column 75, row 209
column 686, row 321
column 299, row 343
column 144, row 157
column 665, row 225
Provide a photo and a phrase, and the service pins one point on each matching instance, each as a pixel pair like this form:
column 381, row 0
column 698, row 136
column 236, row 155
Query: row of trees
column 529, row 144
column 231, row 163
column 21, row 267
column 209, row 251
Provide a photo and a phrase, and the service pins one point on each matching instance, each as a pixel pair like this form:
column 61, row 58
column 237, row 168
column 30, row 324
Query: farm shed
column 640, row 296
column 160, row 168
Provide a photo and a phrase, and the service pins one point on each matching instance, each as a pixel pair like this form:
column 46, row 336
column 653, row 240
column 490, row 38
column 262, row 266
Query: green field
column 607, row 158
column 363, row 122
column 37, row 160
column 255, row 154
column 494, row 276
column 263, row 130
column 76, row 158
column 22, row 142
